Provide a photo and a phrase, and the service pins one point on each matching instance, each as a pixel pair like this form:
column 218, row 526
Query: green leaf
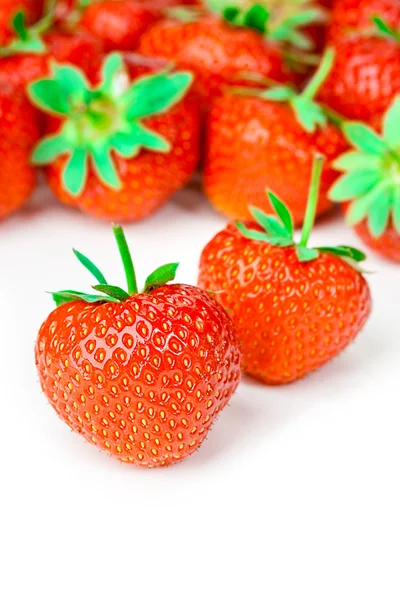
column 269, row 223
column 257, row 18
column 105, row 167
column 49, row 96
column 391, row 125
column 396, row 209
column 150, row 139
column 305, row 254
column 112, row 66
column 354, row 184
column 112, row 291
column 282, row 212
column 365, row 138
column 344, row 251
column 32, row 45
column 161, row 276
column 72, row 82
column 384, row 29
column 356, row 161
column 75, row 172
column 67, row 296
column 360, row 207
column 50, row 148
column 252, row 234
column 280, row 93
column 309, row 113
column 19, row 26
column 155, row 94
column 125, row 144
column 91, row 267
column 379, row 214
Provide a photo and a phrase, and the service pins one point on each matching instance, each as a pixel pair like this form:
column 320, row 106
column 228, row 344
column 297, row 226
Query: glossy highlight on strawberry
column 140, row 375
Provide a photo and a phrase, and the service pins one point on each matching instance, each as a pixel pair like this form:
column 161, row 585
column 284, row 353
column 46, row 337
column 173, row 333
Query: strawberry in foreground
column 260, row 139
column 19, row 131
column 370, row 183
column 366, row 75
column 294, row 307
column 119, row 150
column 140, row 375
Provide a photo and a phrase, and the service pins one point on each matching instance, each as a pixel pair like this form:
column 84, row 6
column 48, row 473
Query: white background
column 295, row 493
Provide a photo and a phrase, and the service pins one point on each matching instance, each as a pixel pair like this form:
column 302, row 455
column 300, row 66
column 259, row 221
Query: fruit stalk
column 311, row 210
column 311, row 90
column 126, row 259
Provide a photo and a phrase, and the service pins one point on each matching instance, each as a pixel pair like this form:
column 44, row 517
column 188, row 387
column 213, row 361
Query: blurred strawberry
column 349, row 17
column 19, row 131
column 8, row 10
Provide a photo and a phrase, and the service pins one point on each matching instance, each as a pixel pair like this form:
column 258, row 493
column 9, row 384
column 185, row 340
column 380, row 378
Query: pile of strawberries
column 286, row 106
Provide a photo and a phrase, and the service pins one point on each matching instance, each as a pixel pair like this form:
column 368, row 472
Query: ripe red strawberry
column 120, row 150
column 27, row 57
column 8, row 10
column 365, row 78
column 19, row 131
column 119, row 25
column 217, row 52
column 355, row 16
column 295, row 308
column 268, row 140
column 140, row 375
column 371, row 183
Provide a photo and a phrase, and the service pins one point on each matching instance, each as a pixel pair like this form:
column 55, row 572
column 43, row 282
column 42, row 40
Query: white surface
column 294, row 495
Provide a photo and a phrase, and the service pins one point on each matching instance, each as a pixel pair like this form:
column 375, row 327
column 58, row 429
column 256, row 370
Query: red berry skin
column 253, row 145
column 80, row 49
column 364, row 80
column 355, row 16
column 8, row 10
column 19, row 131
column 119, row 25
column 291, row 317
column 217, row 53
column 144, row 379
column 387, row 245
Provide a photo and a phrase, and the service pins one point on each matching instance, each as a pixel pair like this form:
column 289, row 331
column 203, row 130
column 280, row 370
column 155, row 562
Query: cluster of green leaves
column 260, row 17
column 371, row 179
column 112, row 293
column 309, row 113
column 98, row 121
column 279, row 231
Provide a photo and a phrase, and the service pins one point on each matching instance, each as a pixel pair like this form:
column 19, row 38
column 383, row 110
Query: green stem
column 126, row 259
column 320, row 75
column 384, row 29
column 313, row 195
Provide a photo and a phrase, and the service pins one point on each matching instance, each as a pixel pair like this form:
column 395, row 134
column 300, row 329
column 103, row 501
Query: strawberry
column 350, row 17
column 140, row 375
column 119, row 25
column 366, row 75
column 8, row 10
column 371, row 183
column 119, row 150
column 19, row 131
column 218, row 50
column 28, row 56
column 267, row 139
column 294, row 307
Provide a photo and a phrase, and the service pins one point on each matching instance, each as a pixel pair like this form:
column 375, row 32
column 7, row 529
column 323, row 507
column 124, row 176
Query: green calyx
column 103, row 120
column 371, row 179
column 309, row 113
column 28, row 40
column 384, row 30
column 279, row 231
column 272, row 19
column 112, row 293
